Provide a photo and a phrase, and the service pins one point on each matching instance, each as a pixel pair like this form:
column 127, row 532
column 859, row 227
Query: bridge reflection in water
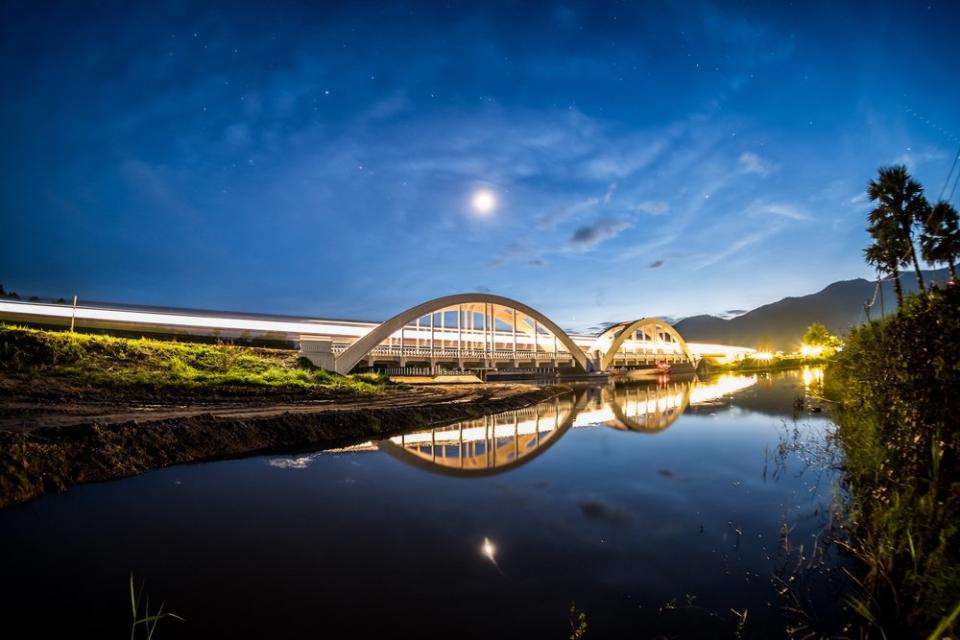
column 500, row 442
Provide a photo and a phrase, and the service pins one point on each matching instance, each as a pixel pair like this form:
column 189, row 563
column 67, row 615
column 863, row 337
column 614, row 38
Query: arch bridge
column 477, row 331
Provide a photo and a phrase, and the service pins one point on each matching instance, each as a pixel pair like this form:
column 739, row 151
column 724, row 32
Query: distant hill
column 782, row 324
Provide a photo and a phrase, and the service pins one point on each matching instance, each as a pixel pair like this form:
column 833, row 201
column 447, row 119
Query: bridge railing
column 453, row 353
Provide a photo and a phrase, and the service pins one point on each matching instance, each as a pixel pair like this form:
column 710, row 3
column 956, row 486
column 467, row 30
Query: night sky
column 321, row 159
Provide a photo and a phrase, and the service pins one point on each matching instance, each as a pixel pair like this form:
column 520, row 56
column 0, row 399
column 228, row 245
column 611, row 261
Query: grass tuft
column 123, row 362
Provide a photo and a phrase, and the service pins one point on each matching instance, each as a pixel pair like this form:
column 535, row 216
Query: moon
column 483, row 201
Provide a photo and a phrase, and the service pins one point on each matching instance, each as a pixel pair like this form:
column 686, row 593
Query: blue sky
column 647, row 158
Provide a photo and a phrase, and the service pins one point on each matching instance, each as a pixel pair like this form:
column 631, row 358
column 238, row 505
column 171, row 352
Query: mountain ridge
column 780, row 325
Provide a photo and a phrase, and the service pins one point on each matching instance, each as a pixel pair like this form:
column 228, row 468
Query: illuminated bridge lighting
column 475, row 331
column 497, row 443
column 489, row 444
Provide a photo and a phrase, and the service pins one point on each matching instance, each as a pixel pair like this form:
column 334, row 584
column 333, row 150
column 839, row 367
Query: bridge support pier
column 318, row 350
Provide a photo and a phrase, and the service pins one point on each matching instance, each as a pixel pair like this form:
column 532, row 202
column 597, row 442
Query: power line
column 949, row 175
column 954, row 188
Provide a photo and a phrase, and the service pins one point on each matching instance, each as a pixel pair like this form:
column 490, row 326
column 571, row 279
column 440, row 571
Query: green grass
column 149, row 621
column 106, row 360
column 898, row 384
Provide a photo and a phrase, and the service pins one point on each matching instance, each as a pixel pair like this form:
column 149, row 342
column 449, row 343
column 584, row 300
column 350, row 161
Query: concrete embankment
column 46, row 447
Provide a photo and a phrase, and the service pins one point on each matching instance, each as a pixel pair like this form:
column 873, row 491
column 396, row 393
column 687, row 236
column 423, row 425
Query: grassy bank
column 121, row 362
column 898, row 385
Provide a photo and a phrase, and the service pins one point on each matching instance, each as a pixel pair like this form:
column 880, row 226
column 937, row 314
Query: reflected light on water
column 496, row 443
column 622, row 514
column 638, row 404
column 488, row 549
column 812, row 375
column 499, row 442
column 719, row 387
column 526, row 427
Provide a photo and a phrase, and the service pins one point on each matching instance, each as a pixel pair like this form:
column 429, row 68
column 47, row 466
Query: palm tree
column 940, row 241
column 888, row 251
column 899, row 200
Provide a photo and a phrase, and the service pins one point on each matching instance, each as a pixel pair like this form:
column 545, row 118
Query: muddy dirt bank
column 50, row 440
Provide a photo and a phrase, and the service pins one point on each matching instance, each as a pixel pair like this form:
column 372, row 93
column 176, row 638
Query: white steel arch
column 621, row 332
column 347, row 360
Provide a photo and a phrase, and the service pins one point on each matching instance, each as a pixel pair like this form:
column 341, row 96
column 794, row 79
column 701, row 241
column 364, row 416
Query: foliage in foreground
column 900, row 209
column 149, row 621
column 898, row 382
column 97, row 359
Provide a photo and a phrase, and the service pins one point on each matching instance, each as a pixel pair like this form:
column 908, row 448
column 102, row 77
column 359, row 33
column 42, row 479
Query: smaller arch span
column 669, row 403
column 566, row 410
column 620, row 332
column 347, row 360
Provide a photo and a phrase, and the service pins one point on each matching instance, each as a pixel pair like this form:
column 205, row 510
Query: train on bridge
column 476, row 332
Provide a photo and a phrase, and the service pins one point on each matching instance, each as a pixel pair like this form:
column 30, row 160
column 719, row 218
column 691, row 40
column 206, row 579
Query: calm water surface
column 658, row 509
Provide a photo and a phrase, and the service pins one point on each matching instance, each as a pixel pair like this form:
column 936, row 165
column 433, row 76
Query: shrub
column 898, row 382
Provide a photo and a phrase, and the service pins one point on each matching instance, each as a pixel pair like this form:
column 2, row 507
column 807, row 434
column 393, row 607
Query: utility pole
column 73, row 316
column 880, row 285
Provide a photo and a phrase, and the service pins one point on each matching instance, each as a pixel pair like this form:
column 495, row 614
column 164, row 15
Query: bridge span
column 472, row 331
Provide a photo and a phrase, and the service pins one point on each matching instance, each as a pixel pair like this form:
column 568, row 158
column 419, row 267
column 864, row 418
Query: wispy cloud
column 737, row 246
column 913, row 157
column 781, row 209
column 622, row 162
column 609, row 194
column 750, row 162
column 552, row 219
column 588, row 236
column 730, row 314
column 644, row 249
column 652, row 207
column 518, row 251
column 859, row 202
column 561, row 214
column 388, row 107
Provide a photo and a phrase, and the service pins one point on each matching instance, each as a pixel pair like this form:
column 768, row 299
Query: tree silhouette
column 888, row 251
column 900, row 206
column 940, row 240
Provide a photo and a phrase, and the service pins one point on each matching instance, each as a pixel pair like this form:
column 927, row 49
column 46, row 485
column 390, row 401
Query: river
column 658, row 509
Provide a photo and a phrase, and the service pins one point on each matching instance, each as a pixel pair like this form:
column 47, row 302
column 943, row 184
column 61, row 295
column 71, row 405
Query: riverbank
column 45, row 449
column 78, row 408
column 898, row 387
